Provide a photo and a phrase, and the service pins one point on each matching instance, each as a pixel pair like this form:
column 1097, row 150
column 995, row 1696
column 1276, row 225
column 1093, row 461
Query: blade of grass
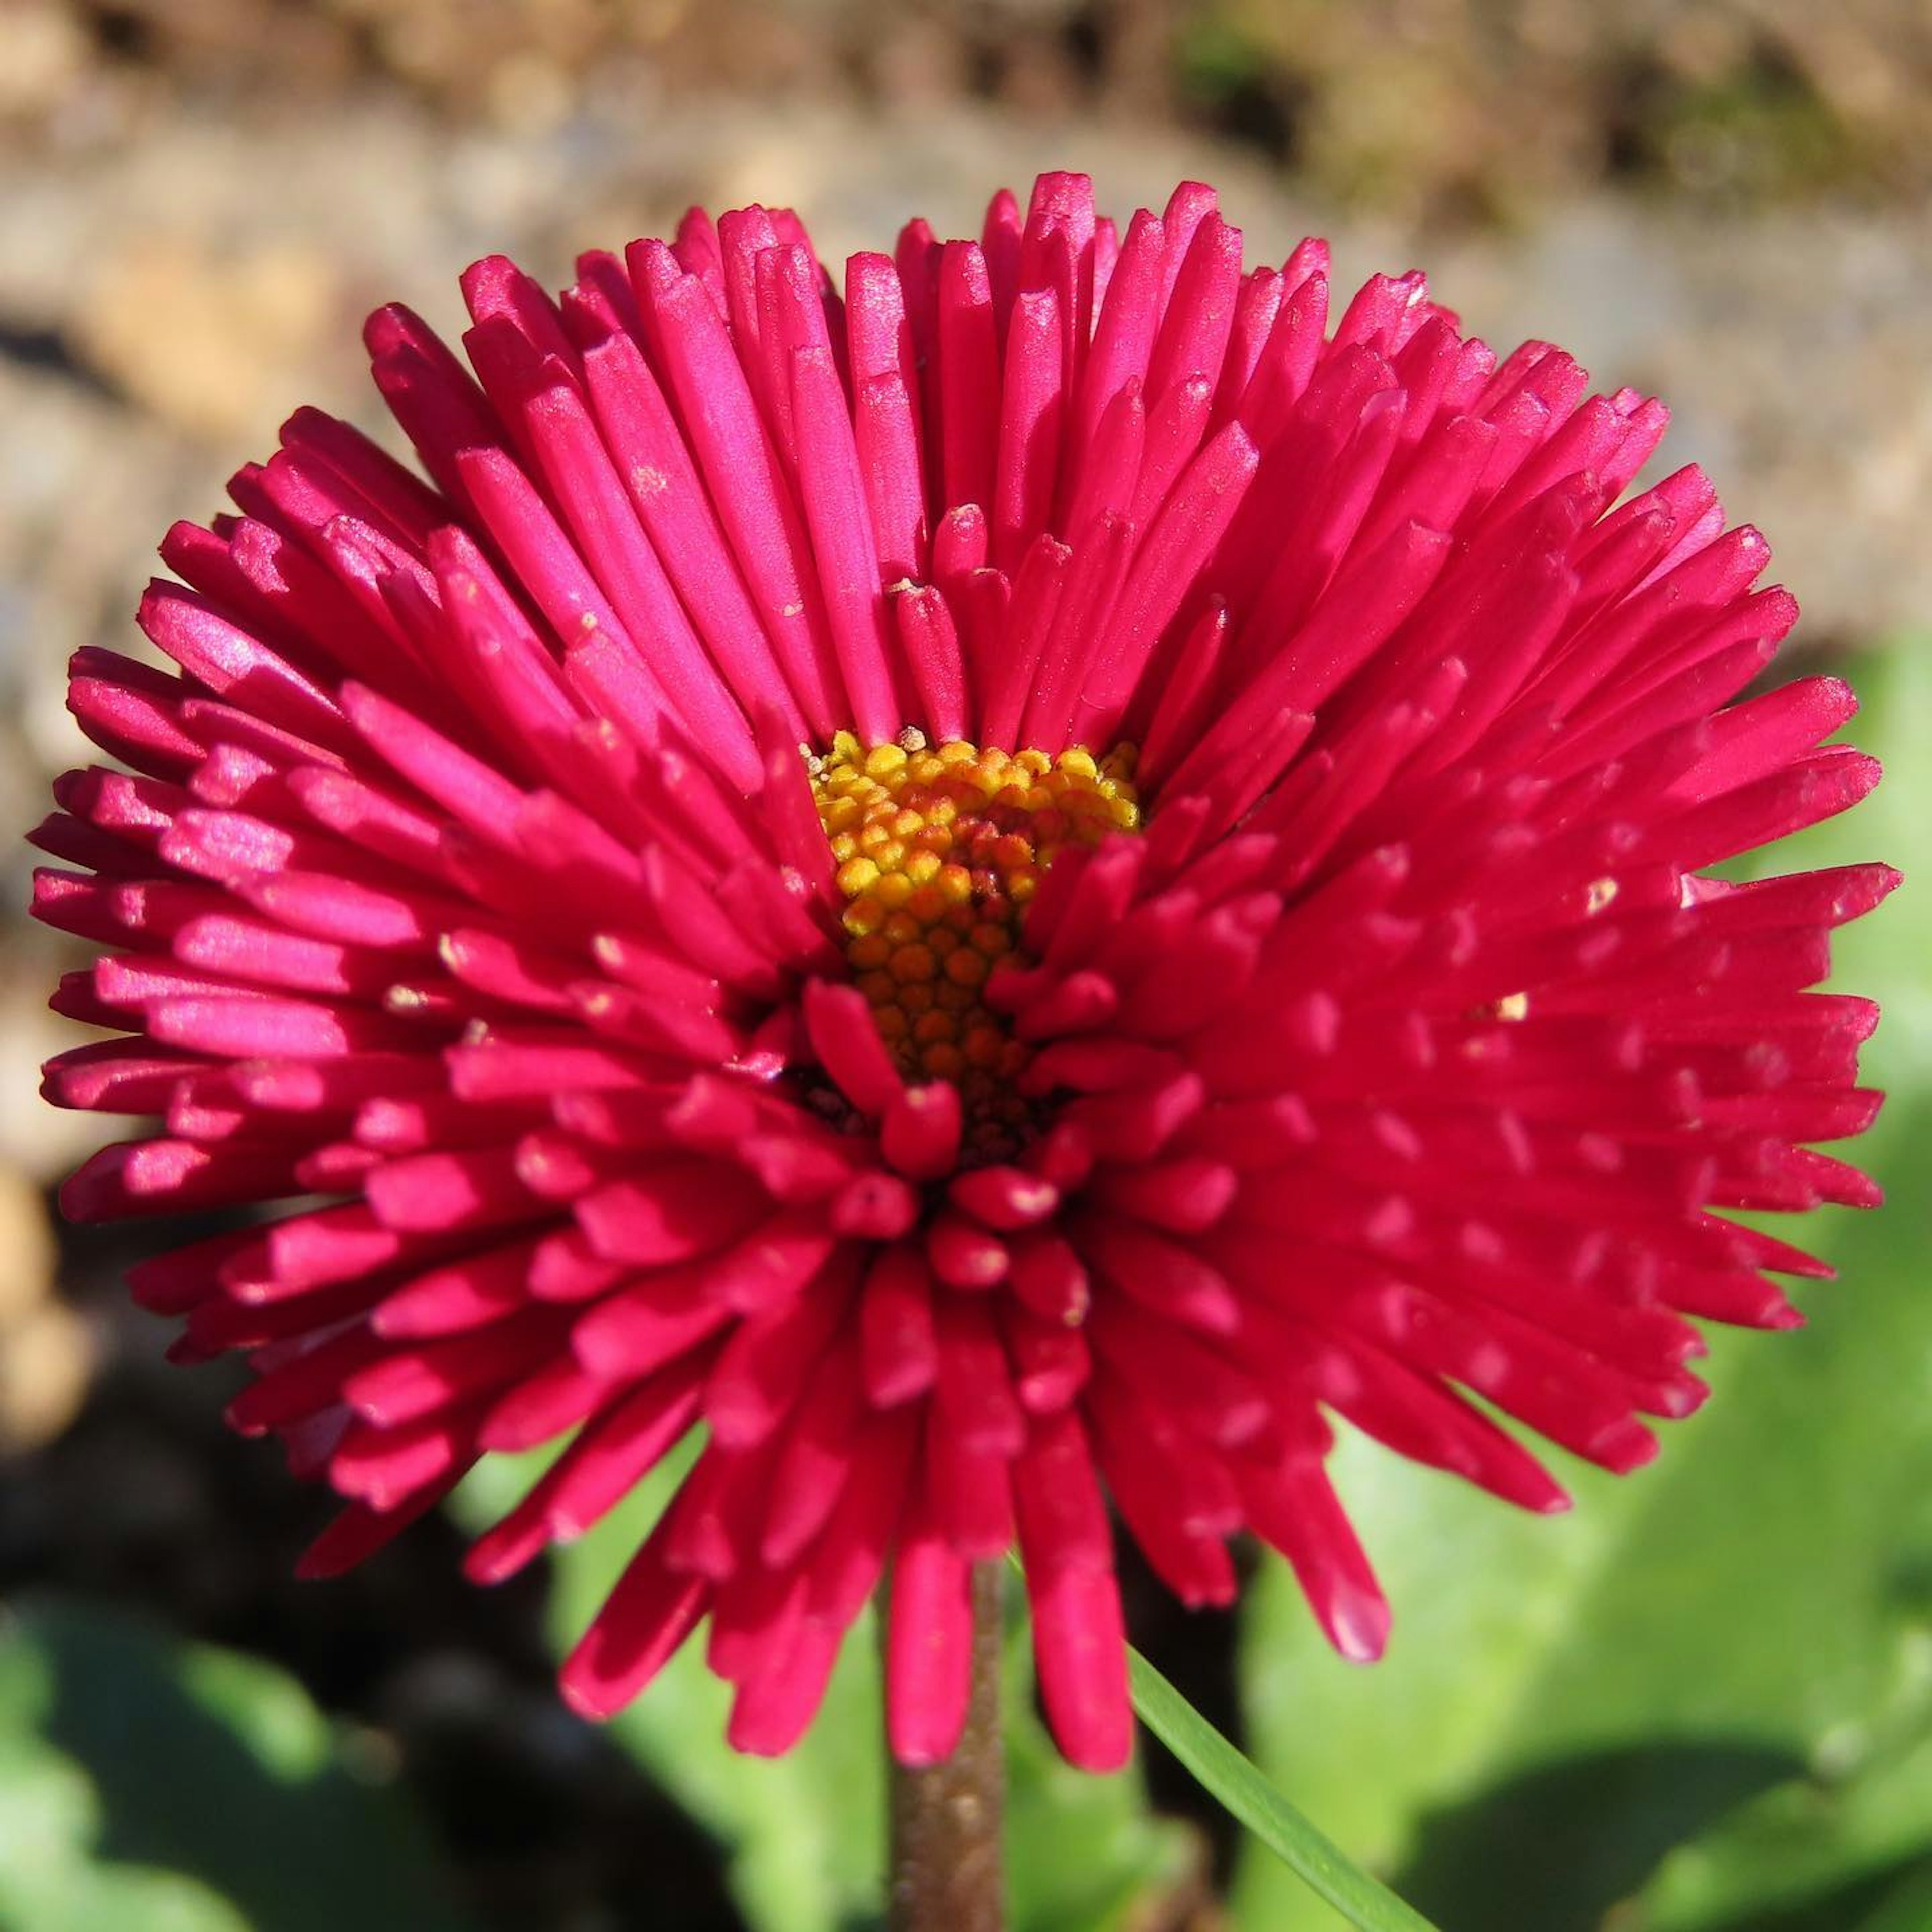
column 1248, row 1797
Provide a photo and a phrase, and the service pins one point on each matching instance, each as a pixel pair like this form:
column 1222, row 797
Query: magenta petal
column 648, row 1616
column 929, row 1643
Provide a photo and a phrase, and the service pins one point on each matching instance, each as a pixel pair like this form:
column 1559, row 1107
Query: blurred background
column 1704, row 1702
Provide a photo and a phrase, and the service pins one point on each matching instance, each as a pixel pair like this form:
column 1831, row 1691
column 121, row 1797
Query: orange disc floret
column 938, row 849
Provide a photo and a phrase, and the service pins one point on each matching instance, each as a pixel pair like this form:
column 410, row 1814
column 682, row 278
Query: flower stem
column 947, row 1873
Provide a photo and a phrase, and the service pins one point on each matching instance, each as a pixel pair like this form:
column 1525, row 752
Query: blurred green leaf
column 171, row 1787
column 1214, row 57
column 804, row 1834
column 1566, row 1701
column 1907, row 1908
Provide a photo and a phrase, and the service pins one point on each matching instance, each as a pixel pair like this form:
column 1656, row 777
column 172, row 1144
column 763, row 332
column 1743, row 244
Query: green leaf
column 1564, row 1701
column 178, row 1788
column 1252, row 1801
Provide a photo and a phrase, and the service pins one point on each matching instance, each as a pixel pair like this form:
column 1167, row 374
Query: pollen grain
column 938, row 850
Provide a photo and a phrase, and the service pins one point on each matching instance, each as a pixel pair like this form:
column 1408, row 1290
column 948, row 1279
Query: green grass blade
column 1248, row 1797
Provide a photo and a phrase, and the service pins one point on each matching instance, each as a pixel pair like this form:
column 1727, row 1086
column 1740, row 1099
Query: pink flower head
column 1006, row 891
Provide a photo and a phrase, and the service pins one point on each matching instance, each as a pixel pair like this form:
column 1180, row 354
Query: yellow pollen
column 938, row 850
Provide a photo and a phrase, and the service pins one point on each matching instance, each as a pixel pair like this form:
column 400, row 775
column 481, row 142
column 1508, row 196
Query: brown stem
column 948, row 1874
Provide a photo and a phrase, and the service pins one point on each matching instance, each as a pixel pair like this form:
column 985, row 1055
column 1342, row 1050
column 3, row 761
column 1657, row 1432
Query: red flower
column 618, row 876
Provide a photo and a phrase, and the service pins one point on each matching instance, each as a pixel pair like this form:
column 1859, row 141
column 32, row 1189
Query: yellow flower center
column 939, row 849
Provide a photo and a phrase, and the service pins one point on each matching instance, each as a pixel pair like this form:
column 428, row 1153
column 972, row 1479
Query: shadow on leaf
column 1868, row 1904
column 1557, row 1847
